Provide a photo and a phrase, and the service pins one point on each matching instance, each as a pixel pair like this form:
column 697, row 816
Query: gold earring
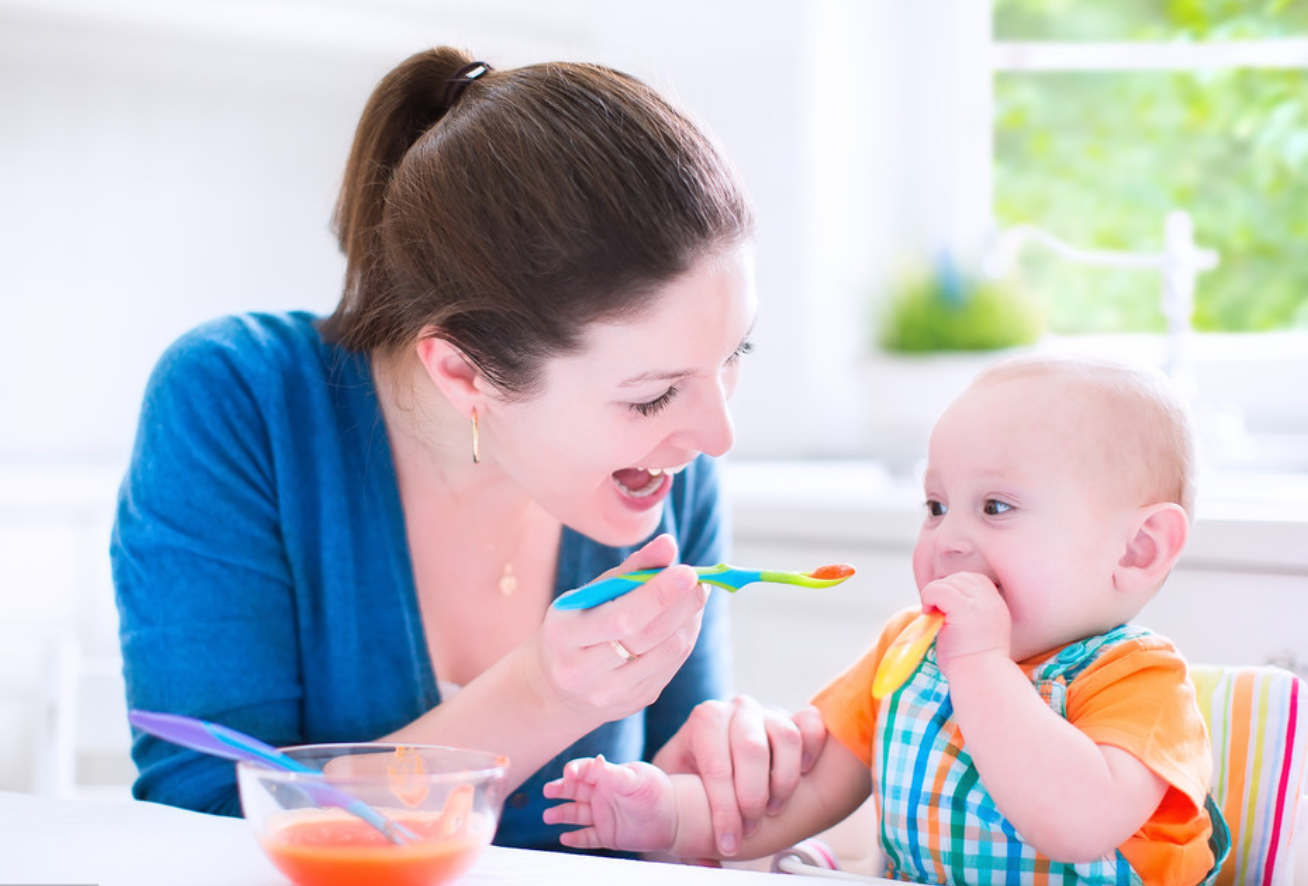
column 476, row 440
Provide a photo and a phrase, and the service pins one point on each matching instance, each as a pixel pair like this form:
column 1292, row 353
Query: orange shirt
column 1136, row 696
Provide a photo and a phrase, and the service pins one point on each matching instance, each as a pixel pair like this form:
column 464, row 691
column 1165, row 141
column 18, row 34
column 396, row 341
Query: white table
column 129, row 843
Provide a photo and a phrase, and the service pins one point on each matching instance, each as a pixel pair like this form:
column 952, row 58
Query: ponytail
column 408, row 102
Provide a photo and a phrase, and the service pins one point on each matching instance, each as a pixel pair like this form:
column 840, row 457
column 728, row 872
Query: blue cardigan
column 262, row 570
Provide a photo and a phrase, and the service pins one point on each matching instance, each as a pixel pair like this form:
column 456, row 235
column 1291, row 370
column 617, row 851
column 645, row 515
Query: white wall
column 162, row 163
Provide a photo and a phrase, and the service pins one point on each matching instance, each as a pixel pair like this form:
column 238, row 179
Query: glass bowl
column 440, row 806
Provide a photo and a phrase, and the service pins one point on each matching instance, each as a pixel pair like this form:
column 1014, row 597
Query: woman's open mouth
column 643, row 483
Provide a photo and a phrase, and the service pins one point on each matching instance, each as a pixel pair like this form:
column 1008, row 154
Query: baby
column 1043, row 738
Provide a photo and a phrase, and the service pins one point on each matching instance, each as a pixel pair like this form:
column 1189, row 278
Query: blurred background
column 938, row 182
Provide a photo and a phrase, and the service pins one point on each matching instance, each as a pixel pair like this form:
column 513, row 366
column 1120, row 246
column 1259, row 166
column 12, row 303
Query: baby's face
column 1019, row 488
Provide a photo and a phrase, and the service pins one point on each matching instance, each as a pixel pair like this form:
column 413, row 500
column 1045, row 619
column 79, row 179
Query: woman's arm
column 260, row 585
column 207, row 621
column 567, row 681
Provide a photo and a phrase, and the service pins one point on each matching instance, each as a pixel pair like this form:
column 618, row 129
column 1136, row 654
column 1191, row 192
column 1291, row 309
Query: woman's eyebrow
column 669, row 375
column 676, row 374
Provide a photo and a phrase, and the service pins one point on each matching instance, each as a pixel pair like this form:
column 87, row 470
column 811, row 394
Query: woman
column 353, row 528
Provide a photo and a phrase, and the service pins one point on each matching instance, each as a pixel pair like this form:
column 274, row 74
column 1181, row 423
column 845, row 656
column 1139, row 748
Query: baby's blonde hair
column 1159, row 434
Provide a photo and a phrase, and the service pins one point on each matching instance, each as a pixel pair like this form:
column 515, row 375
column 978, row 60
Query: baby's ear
column 1158, row 535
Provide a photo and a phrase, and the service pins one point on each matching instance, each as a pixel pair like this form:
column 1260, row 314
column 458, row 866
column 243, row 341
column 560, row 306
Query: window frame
column 1247, row 402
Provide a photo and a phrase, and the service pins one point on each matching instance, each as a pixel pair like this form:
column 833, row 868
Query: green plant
column 941, row 309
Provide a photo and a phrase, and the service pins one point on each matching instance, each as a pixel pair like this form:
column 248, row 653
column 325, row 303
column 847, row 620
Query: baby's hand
column 629, row 807
column 977, row 620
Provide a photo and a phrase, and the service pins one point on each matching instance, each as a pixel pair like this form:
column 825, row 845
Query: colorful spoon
column 212, row 738
column 905, row 653
column 730, row 577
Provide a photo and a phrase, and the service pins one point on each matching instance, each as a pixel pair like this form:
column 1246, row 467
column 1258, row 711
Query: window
column 1109, row 114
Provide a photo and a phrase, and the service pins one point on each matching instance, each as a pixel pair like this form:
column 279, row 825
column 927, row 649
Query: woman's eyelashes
column 653, row 407
column 746, row 347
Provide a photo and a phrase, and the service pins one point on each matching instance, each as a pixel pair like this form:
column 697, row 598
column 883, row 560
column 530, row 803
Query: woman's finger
column 813, row 736
column 753, row 755
column 703, row 747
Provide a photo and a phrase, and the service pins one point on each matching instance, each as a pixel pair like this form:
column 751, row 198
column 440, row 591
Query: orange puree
column 836, row 570
column 349, row 852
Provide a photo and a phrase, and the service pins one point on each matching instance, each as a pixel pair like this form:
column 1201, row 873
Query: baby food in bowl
column 405, row 815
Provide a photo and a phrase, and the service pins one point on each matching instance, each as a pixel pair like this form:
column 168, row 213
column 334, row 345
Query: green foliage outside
column 939, row 309
column 1099, row 159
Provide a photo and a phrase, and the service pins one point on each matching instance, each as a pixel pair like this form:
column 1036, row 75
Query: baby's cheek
column 923, row 568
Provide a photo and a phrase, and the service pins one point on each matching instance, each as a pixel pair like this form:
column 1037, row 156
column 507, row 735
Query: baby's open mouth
column 640, row 482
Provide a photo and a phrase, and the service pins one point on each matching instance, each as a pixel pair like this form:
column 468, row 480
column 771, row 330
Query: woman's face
column 600, row 446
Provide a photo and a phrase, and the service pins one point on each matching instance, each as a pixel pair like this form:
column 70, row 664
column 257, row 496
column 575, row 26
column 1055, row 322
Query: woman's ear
column 451, row 371
column 1158, row 534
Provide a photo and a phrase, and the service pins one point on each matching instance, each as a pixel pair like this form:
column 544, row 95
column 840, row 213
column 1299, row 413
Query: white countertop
column 131, row 843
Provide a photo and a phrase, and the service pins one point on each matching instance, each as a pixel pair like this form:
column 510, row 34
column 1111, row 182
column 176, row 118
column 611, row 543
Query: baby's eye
column 994, row 507
column 936, row 508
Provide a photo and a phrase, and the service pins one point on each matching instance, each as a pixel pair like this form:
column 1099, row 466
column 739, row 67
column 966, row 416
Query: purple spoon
column 212, row 738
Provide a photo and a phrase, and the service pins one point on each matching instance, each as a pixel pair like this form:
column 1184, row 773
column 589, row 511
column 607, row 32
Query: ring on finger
column 623, row 652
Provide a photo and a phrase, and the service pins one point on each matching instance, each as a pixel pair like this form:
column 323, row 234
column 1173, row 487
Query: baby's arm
column 639, row 808
column 1070, row 798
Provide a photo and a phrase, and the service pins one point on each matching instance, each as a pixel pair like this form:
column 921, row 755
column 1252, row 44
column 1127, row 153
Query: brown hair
column 543, row 199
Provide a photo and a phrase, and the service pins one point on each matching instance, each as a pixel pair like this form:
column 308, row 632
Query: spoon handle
column 602, row 591
column 213, row 738
column 222, row 741
column 732, row 578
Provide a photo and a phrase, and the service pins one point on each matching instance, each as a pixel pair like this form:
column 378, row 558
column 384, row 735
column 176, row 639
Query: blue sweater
column 262, row 570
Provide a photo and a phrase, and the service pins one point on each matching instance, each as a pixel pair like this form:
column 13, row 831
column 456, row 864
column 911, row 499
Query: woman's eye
column 653, row 407
column 746, row 347
column 994, row 507
column 935, row 508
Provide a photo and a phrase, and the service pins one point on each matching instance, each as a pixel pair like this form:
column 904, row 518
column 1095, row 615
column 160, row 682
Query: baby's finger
column 585, row 838
column 570, row 814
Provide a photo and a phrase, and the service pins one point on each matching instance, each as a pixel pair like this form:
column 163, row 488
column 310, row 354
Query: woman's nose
column 711, row 430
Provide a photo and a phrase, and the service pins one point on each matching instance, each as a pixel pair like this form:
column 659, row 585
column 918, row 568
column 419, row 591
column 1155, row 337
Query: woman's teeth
column 640, row 482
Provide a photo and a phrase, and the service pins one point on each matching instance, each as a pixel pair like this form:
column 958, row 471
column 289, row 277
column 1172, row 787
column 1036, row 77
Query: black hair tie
column 461, row 78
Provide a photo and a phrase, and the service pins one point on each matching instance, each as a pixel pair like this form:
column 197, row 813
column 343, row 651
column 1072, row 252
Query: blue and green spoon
column 732, row 578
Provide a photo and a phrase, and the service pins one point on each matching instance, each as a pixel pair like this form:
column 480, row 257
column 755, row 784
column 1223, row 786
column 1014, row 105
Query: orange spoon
column 905, row 653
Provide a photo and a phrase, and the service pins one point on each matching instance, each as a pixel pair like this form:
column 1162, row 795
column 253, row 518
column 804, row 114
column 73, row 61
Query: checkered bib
column 938, row 823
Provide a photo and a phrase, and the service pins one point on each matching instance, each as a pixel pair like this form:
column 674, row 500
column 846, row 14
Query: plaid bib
column 938, row 822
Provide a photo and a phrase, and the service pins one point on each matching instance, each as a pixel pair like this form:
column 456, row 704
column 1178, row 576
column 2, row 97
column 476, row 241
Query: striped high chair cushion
column 1259, row 732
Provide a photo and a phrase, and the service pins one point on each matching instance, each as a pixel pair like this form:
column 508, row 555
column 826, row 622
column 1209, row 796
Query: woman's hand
column 608, row 662
column 749, row 757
